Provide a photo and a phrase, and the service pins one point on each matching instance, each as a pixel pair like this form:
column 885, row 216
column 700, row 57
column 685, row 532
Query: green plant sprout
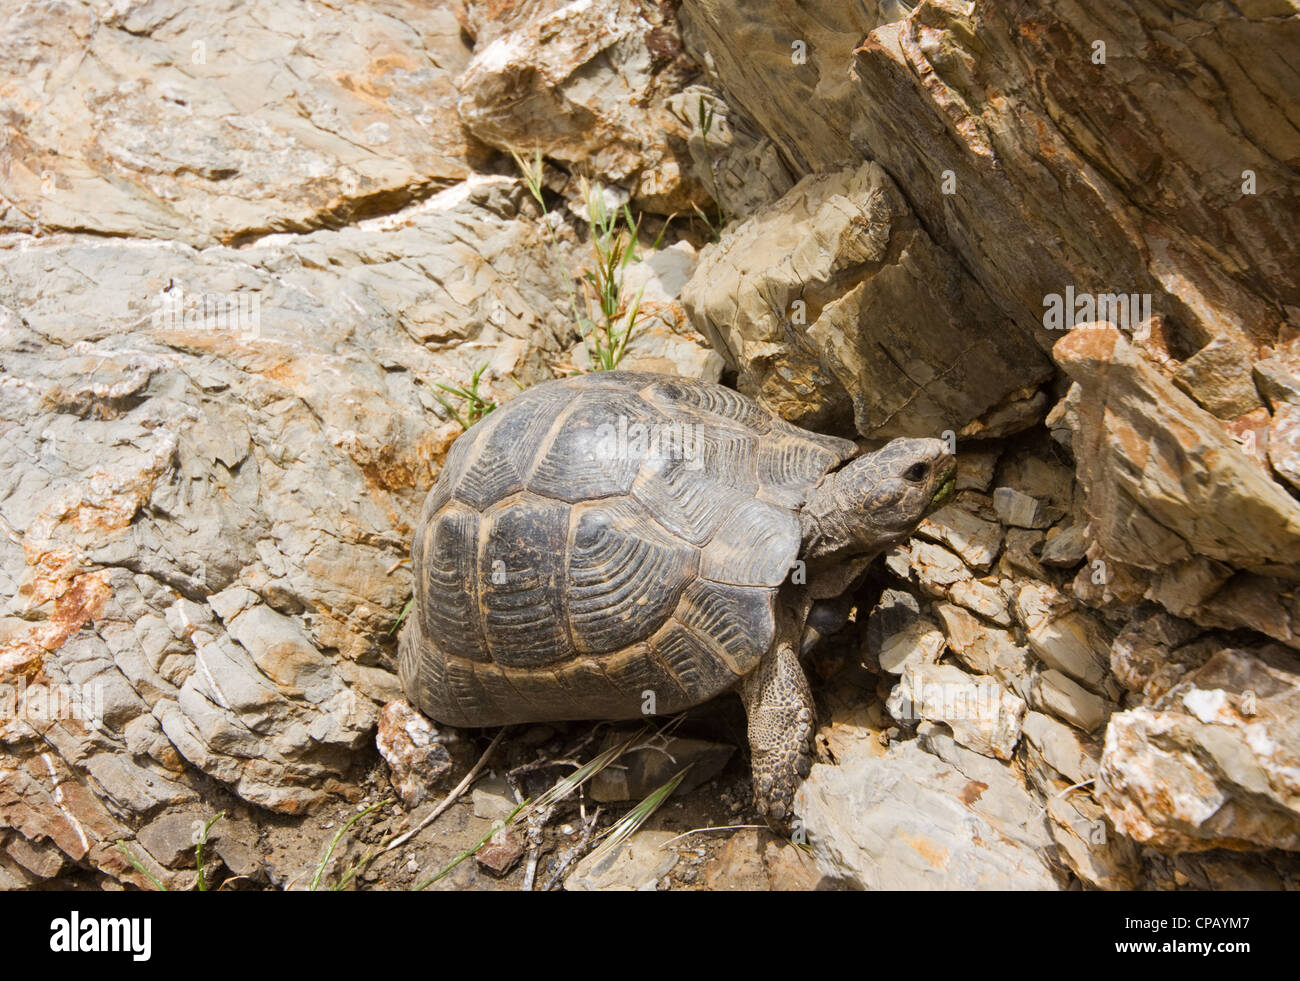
column 329, row 851
column 704, row 118
column 138, row 865
column 401, row 616
column 610, row 318
column 476, row 406
column 200, row 840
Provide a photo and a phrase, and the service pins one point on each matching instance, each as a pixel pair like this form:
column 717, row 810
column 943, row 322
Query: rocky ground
column 243, row 244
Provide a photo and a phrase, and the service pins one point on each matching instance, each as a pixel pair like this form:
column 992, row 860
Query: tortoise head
column 885, row 494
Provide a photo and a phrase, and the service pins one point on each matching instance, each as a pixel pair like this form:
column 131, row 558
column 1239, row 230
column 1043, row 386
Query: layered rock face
column 215, row 123
column 207, row 509
column 1125, row 170
column 243, row 245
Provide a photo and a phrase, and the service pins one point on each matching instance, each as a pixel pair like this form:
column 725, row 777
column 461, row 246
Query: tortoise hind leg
column 779, row 707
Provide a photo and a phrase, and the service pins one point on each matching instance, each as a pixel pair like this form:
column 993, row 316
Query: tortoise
column 623, row 543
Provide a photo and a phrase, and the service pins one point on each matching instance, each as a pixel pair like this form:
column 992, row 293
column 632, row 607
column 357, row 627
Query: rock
column 1074, row 757
column 1251, row 433
column 911, row 821
column 1278, row 379
column 814, row 265
column 1212, row 764
column 1037, row 472
column 238, row 855
column 13, row 876
column 203, row 125
column 1105, row 583
column 1185, row 586
column 1064, row 637
column 762, row 76
column 28, row 862
column 1086, row 842
column 755, row 860
column 1067, row 548
column 272, row 464
column 502, row 851
column 985, row 649
column 1152, row 653
column 1019, row 510
column 1223, row 871
column 1020, row 555
column 970, row 141
column 982, row 715
column 975, row 469
column 1143, row 506
column 580, row 83
column 1051, row 691
column 898, row 636
column 739, row 865
column 660, row 277
column 985, row 599
column 1213, row 377
column 935, row 567
column 645, row 767
column 1284, row 443
column 1063, row 419
column 663, row 341
column 1263, row 603
column 898, row 560
column 493, row 799
column 741, row 167
column 414, row 751
column 1090, row 847
column 638, row 865
column 976, row 539
column 1017, row 411
column 171, row 838
column 791, row 868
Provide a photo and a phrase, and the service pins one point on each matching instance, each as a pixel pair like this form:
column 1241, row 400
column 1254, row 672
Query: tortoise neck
column 826, row 525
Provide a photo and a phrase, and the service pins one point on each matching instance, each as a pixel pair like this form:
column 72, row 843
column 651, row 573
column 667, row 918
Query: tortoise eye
column 915, row 472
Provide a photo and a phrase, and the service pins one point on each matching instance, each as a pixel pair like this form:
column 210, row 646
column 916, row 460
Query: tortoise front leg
column 779, row 705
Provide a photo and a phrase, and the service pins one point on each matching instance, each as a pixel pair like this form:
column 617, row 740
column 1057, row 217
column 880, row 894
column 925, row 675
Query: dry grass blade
column 573, row 852
column 615, row 835
column 567, row 785
column 721, row 827
column 545, row 802
column 532, row 173
column 451, row 797
column 429, row 818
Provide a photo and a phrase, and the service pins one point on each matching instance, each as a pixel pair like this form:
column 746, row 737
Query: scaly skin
column 779, row 705
column 851, row 517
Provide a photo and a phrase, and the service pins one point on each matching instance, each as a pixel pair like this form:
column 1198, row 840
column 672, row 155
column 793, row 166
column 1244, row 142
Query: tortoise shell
column 601, row 537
